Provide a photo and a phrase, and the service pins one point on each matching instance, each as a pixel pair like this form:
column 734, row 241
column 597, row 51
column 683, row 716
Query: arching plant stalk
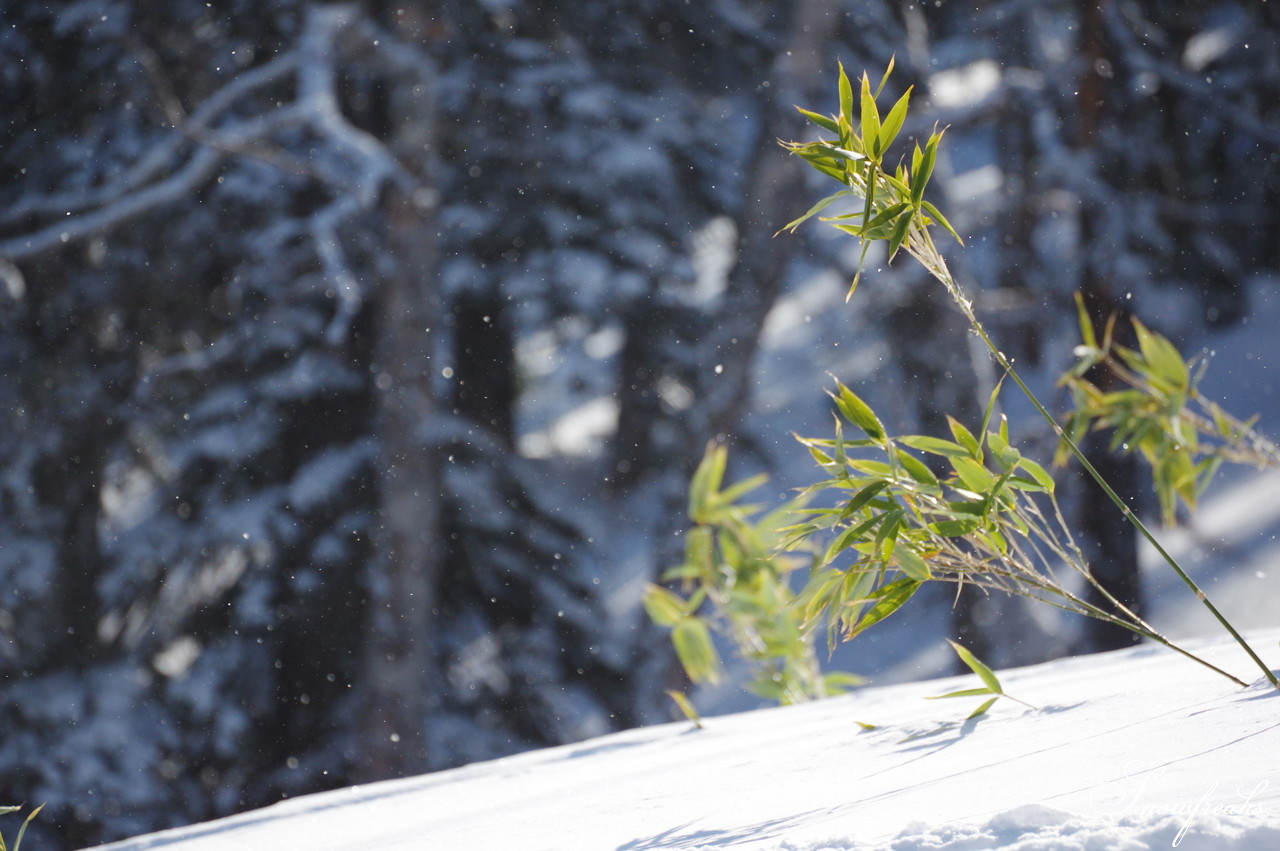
column 894, row 210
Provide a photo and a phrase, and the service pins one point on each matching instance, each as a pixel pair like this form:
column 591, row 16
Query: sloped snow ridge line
column 1129, row 750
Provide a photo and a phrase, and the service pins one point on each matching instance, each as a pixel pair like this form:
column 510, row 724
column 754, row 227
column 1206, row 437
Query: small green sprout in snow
column 991, row 683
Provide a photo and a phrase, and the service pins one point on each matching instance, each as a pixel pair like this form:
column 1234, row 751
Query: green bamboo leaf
column 967, row 692
column 887, row 533
column 831, row 167
column 881, row 218
column 869, row 170
column 699, row 547
column 857, row 590
column 1087, row 336
column 916, row 469
column 1038, row 473
column 730, row 495
column 870, row 120
column 706, row 480
column 22, row 831
column 871, row 467
column 846, row 94
column 1206, row 469
column 989, row 411
column 934, row 445
column 975, row 477
column 858, row 412
column 893, row 121
column 853, row 285
column 838, row 682
column 841, row 459
column 696, row 651
column 815, row 209
column 981, row 710
column 971, row 508
column 1007, row 456
column 887, row 71
column 888, row 599
column 686, row 707
column 818, row 594
column 984, row 673
column 663, row 607
column 899, row 234
column 911, row 563
column 939, row 218
column 859, row 500
column 837, row 154
column 1163, row 358
column 899, row 186
column 828, row 124
column 956, row 528
column 965, row 438
column 850, row 537
column 925, row 171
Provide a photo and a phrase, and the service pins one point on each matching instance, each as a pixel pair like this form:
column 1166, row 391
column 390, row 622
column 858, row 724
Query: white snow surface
column 1128, row 750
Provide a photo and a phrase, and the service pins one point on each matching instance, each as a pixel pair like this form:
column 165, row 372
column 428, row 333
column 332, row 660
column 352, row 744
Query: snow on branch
column 1195, row 85
column 355, row 169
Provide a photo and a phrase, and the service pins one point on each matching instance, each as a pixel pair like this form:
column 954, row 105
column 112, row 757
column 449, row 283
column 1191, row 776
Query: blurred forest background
column 354, row 357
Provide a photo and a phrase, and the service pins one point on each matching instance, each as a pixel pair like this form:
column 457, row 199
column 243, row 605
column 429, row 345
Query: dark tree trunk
column 402, row 662
column 1109, row 540
column 484, row 381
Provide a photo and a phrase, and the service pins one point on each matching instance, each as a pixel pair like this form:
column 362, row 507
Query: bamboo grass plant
column 894, row 210
column 992, row 521
column 1159, row 413
column 22, row 831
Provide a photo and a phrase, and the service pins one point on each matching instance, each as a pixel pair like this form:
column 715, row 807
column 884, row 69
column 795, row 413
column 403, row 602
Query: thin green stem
column 937, row 267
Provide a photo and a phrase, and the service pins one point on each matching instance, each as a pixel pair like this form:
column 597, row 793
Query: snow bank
column 1136, row 749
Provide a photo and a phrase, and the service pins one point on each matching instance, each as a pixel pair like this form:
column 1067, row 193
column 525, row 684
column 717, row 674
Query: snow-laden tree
column 355, row 356
column 294, row 295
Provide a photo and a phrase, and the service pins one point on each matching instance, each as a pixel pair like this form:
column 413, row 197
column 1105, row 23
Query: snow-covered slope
column 1133, row 749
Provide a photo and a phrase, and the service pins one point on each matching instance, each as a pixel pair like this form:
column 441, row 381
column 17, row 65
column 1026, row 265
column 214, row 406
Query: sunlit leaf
column 686, row 707
column 893, row 121
column 887, row 71
column 921, row 174
column 870, row 120
column 738, row 489
column 662, row 606
column 940, row 219
column 976, row 665
column 888, row 600
column 899, row 234
column 975, row 476
column 1163, row 358
column 846, row 94
column 696, row 651
column 911, row 563
column 815, row 209
column 982, row 709
column 859, row 413
column 955, row 528
column 917, row 469
column 883, row 217
column 706, row 480
column 838, row 682
column 828, row 124
column 965, row 438
column 934, row 445
column 964, row 692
